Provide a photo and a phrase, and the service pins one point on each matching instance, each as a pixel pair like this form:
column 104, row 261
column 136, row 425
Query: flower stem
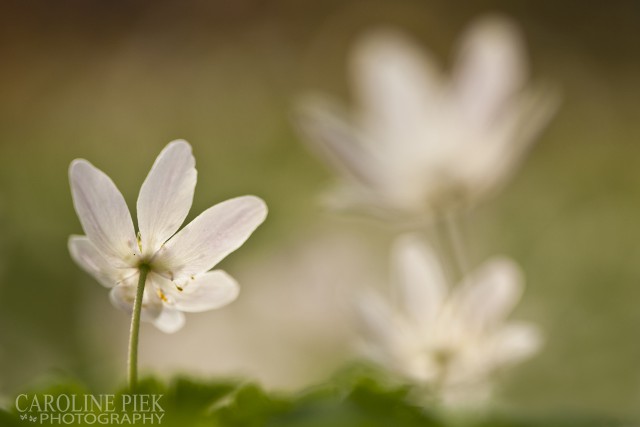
column 135, row 328
column 450, row 237
column 457, row 244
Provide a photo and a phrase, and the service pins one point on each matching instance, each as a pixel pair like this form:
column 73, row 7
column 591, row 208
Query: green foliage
column 357, row 397
column 250, row 406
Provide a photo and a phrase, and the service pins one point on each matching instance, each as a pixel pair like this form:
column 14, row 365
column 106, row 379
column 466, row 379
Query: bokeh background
column 114, row 82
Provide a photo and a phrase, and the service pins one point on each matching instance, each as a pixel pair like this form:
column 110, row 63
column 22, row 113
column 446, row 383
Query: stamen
column 162, row 296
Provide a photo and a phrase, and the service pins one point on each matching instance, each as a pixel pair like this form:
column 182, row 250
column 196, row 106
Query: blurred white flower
column 179, row 279
column 419, row 141
column 449, row 341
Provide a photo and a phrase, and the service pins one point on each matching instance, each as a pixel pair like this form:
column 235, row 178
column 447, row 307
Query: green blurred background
column 114, row 82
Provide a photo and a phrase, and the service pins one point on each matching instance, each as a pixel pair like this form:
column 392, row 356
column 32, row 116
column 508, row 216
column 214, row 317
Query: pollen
column 162, row 296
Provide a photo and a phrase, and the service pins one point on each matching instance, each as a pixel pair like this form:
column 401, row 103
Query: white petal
column 208, row 291
column 489, row 294
column 490, row 69
column 398, row 86
column 210, row 237
column 169, row 320
column 515, row 342
column 124, row 295
column 377, row 319
column 326, row 130
column 422, row 282
column 85, row 254
column 166, row 195
column 394, row 343
column 103, row 213
column 509, row 140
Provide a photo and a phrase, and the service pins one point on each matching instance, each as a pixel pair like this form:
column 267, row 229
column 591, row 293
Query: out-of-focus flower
column 179, row 279
column 450, row 341
column 420, row 142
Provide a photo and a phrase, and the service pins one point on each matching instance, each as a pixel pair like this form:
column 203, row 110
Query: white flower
column 179, row 279
column 449, row 340
column 420, row 142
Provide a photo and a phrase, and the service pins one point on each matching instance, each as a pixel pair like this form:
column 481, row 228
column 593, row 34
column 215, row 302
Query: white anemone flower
column 178, row 262
column 449, row 341
column 419, row 141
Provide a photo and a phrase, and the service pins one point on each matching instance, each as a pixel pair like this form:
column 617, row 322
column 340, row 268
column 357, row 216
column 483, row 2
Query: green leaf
column 357, row 396
column 249, row 406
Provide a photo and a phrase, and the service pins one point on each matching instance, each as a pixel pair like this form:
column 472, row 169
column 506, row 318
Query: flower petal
column 85, row 254
column 103, row 214
column 398, row 87
column 329, row 135
column 169, row 320
column 392, row 341
column 124, row 295
column 208, row 291
column 487, row 296
column 420, row 277
column 166, row 195
column 378, row 320
column 515, row 342
column 491, row 68
column 509, row 139
column 210, row 237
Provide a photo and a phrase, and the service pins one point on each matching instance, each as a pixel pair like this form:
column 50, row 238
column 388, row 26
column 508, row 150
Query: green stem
column 452, row 243
column 457, row 245
column 135, row 328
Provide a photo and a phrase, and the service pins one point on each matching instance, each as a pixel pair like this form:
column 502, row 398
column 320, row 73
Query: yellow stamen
column 139, row 239
column 162, row 295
